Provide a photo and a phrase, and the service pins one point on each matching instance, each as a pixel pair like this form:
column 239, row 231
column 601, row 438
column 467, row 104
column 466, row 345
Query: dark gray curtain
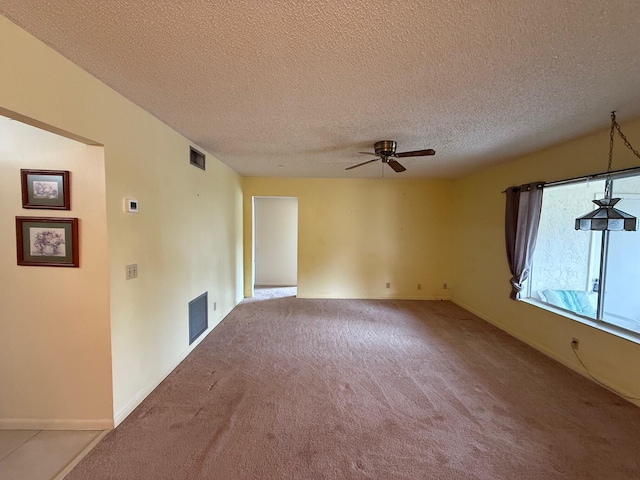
column 522, row 218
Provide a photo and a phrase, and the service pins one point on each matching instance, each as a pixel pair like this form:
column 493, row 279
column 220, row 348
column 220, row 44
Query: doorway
column 275, row 241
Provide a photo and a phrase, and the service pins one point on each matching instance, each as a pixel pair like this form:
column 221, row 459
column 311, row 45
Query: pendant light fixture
column 606, row 217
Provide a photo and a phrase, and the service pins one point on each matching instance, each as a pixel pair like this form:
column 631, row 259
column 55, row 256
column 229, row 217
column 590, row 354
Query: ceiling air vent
column 196, row 158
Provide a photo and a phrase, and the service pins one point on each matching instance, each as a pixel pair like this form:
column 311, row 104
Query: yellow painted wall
column 54, row 322
column 186, row 238
column 481, row 273
column 354, row 236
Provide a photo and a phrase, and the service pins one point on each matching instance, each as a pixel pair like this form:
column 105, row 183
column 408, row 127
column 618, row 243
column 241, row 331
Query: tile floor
column 43, row 454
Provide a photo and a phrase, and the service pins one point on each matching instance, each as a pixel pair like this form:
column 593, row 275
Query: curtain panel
column 522, row 218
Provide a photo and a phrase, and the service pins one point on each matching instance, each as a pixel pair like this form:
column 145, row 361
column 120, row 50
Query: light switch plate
column 132, row 271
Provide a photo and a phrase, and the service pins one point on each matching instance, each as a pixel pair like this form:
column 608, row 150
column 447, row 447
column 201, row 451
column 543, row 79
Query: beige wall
column 481, row 273
column 354, row 236
column 186, row 238
column 54, row 322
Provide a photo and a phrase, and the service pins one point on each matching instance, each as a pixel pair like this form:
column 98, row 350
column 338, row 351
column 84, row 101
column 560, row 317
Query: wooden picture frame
column 47, row 242
column 46, row 189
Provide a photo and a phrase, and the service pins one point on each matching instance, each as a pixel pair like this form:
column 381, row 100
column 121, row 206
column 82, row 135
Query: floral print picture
column 47, row 241
column 46, row 189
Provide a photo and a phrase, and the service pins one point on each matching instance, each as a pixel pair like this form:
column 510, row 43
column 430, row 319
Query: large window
column 580, row 271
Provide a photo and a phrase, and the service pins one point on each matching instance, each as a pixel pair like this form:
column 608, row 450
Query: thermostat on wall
column 131, row 205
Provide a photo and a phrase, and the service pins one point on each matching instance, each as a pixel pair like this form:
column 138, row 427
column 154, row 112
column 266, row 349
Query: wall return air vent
column 198, row 317
column 197, row 158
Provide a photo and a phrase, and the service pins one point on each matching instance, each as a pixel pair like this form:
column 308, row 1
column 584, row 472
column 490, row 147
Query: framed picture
column 47, row 242
column 45, row 189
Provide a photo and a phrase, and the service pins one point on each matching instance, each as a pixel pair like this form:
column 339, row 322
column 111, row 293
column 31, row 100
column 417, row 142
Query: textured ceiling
column 296, row 88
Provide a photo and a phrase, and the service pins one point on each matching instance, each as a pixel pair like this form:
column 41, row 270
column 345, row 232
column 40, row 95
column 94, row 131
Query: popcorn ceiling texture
column 295, row 88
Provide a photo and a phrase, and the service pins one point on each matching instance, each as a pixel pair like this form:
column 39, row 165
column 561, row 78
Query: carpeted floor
column 288, row 388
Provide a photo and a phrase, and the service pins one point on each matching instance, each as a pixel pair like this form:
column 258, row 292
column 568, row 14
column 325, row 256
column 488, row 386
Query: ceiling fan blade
column 416, row 153
column 361, row 164
column 396, row 166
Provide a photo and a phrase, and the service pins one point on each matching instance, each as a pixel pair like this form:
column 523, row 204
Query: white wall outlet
column 388, row 285
column 131, row 205
column 132, row 271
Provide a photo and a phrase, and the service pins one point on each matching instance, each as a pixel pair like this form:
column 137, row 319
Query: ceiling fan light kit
column 385, row 150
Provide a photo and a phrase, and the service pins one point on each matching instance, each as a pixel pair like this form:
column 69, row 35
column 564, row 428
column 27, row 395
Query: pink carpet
column 288, row 388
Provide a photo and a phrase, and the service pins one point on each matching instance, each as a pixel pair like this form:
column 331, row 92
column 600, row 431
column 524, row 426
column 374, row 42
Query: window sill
column 590, row 322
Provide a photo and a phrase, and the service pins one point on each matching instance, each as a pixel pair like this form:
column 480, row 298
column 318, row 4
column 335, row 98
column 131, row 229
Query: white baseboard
column 125, row 411
column 55, row 424
column 372, row 297
column 549, row 353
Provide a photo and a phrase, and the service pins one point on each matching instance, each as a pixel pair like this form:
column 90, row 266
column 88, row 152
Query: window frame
column 601, row 246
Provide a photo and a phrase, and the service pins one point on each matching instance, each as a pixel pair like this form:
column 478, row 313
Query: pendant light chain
column 626, row 142
column 615, row 126
column 607, row 183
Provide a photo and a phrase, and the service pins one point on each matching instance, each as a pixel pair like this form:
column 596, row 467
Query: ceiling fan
column 386, row 151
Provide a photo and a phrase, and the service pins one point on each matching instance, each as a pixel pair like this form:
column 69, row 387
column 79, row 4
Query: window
column 581, row 271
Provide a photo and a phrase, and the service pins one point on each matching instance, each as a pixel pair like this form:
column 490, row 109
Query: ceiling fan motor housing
column 385, row 148
column 386, row 152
